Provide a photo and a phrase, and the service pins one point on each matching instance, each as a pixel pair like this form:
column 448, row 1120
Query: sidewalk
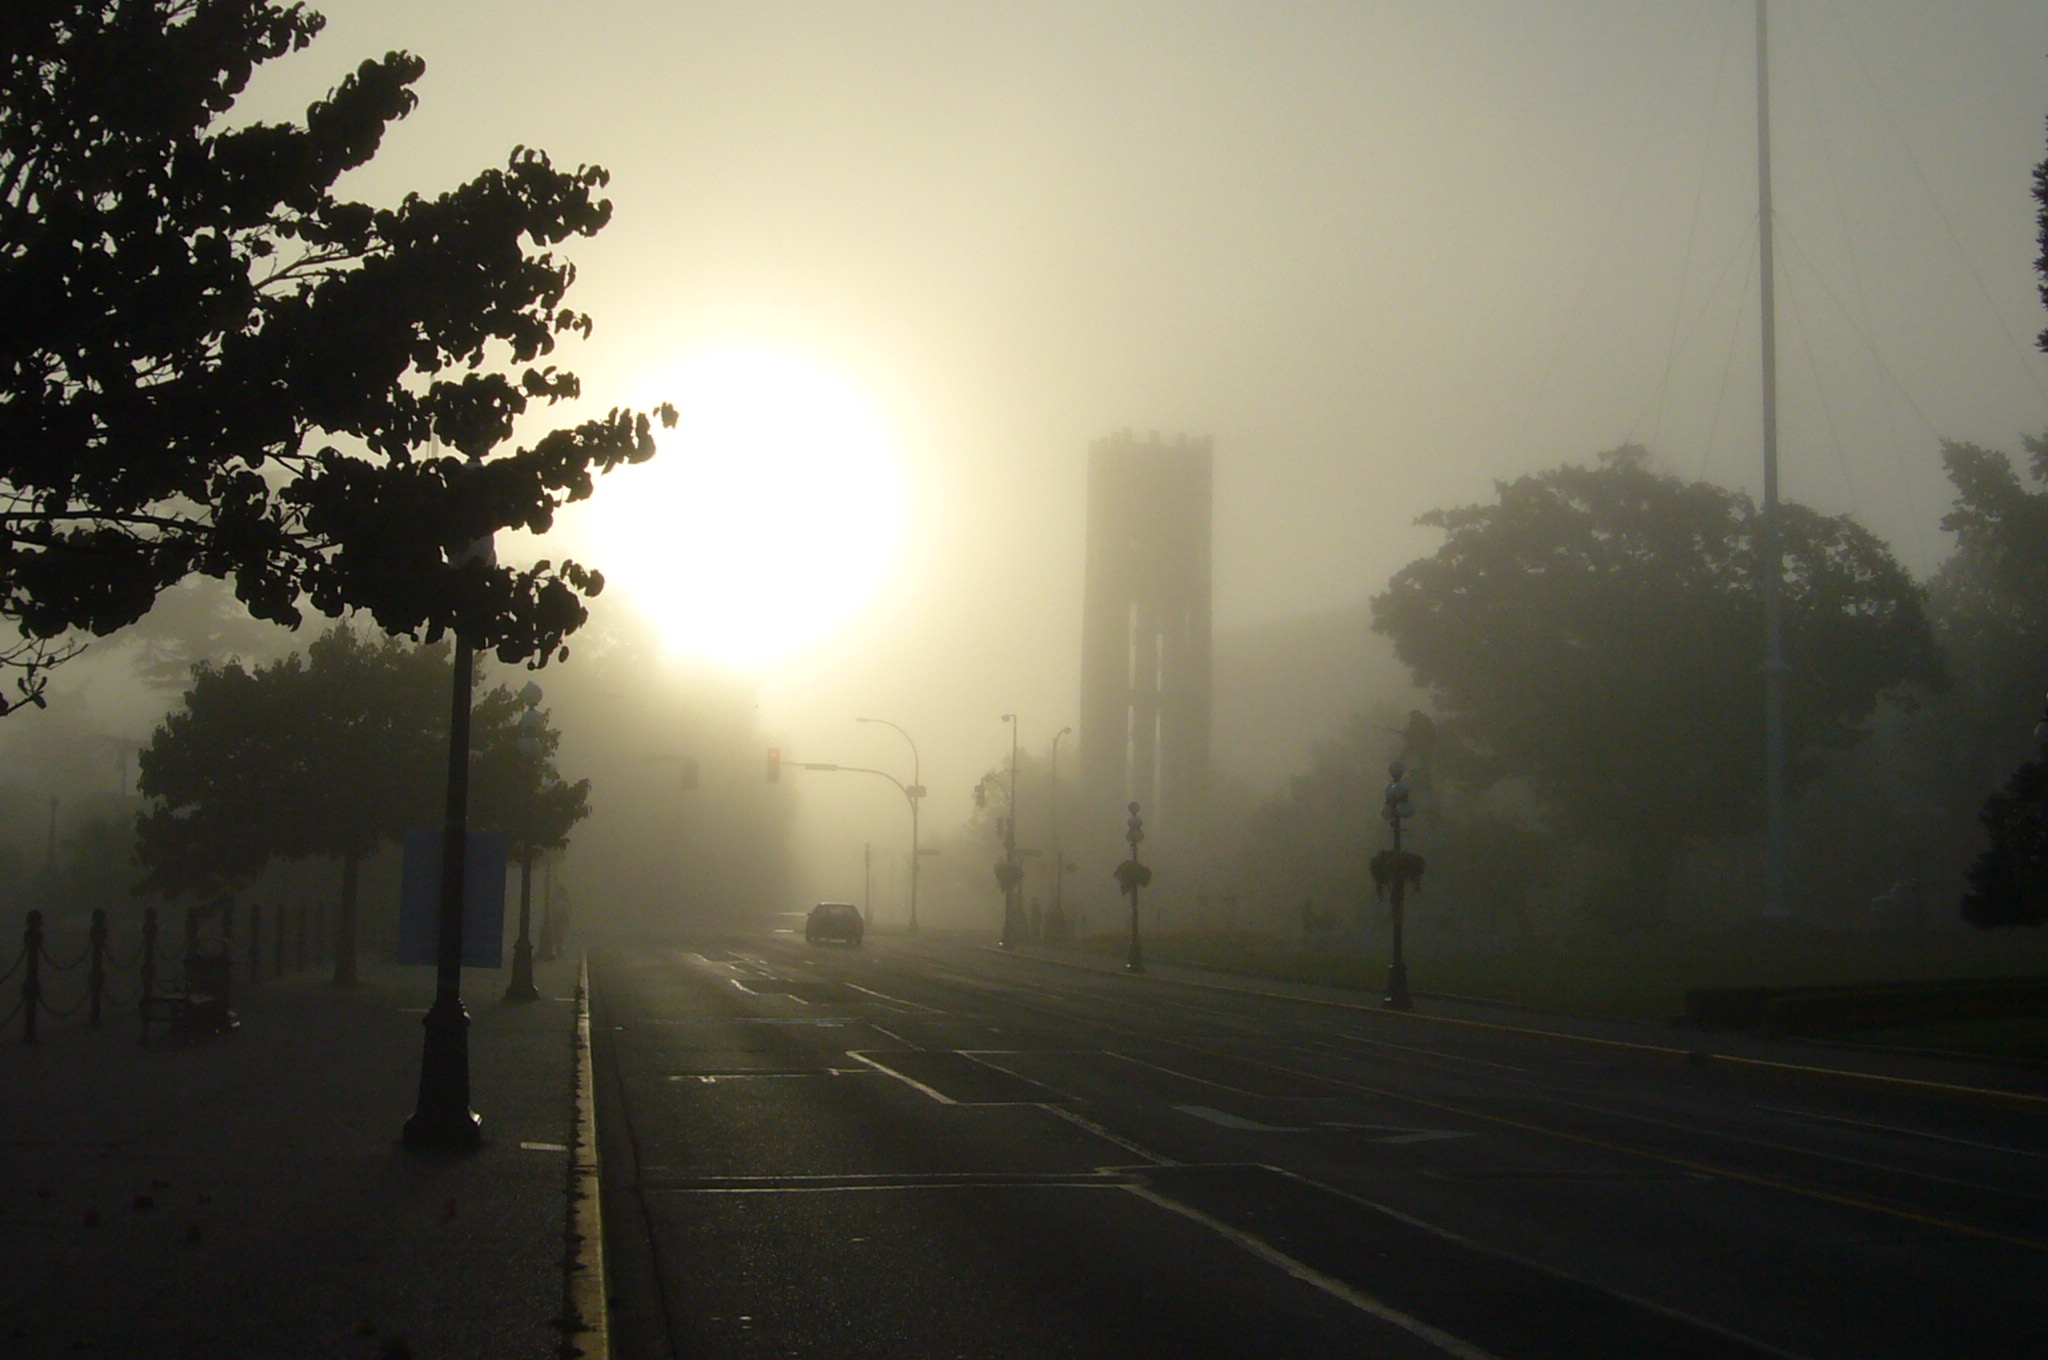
column 246, row 1196
column 2004, row 1082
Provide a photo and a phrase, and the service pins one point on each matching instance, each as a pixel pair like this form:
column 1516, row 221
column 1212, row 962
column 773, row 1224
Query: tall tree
column 2041, row 239
column 2008, row 883
column 211, row 363
column 1989, row 604
column 332, row 754
column 1597, row 630
column 2000, row 588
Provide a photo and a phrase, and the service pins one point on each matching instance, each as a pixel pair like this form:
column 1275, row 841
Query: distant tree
column 2008, row 885
column 199, row 620
column 1598, row 632
column 1315, row 842
column 1990, row 602
column 332, row 754
column 1312, row 842
column 517, row 790
column 2041, row 239
column 1989, row 605
column 212, row 364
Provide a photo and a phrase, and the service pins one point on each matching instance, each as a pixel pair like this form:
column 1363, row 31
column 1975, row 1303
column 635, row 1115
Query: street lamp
column 521, row 987
column 1059, row 915
column 911, row 793
column 1131, row 876
column 1396, row 869
column 915, row 793
column 1011, row 875
column 443, row 1121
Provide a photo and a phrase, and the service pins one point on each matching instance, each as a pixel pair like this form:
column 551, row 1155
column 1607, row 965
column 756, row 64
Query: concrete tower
column 1145, row 626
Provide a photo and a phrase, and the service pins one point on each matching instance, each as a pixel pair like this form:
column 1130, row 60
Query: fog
column 1380, row 254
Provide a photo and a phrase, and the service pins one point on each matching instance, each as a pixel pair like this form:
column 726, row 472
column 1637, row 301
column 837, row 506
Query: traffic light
column 775, row 764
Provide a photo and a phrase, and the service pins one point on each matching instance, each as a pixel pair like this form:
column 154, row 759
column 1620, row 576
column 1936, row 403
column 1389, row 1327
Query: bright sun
column 772, row 511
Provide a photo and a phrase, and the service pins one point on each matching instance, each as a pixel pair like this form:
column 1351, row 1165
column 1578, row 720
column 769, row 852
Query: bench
column 199, row 1004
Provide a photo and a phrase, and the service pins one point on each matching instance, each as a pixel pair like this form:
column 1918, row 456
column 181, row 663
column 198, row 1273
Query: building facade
column 1145, row 646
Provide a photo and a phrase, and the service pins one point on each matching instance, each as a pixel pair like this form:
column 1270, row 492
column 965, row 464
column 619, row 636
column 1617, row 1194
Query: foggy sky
column 1381, row 253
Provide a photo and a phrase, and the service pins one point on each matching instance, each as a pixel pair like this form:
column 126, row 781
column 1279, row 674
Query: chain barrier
column 32, row 1002
column 66, row 1012
column 67, row 967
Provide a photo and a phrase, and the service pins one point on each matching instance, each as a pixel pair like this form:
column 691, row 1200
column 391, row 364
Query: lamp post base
column 443, row 1122
column 1397, row 998
column 521, row 987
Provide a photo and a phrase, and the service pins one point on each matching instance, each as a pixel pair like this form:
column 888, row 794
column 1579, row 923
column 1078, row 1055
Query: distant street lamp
column 915, row 794
column 521, row 987
column 443, row 1121
column 1396, row 869
column 906, row 790
column 1011, row 875
column 1131, row 876
column 1059, row 853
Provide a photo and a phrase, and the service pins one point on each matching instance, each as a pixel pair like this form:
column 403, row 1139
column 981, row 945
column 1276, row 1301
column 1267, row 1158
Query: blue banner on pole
column 483, row 893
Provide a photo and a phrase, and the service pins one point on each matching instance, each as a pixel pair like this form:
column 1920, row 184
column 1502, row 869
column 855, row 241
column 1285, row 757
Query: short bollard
column 255, row 942
column 303, row 910
column 191, row 931
column 96, row 978
column 31, row 977
column 277, row 963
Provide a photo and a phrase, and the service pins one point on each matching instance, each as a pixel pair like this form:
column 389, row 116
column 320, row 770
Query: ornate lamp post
column 914, row 792
column 1396, row 869
column 443, row 1121
column 1131, row 876
column 521, row 987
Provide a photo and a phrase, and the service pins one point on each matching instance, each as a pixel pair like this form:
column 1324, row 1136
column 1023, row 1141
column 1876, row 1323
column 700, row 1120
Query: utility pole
column 1774, row 586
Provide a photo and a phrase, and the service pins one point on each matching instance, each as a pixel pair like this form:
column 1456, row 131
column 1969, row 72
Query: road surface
column 937, row 1150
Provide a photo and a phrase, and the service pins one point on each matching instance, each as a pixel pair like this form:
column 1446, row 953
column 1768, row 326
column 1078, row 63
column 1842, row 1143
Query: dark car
column 835, row 921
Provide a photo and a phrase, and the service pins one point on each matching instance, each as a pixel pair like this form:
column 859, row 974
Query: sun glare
column 770, row 514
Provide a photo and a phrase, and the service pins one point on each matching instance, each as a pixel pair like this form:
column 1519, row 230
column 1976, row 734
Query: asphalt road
column 931, row 1150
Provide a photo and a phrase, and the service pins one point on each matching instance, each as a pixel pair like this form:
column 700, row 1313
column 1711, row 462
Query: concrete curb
column 2016, row 1100
column 586, row 1290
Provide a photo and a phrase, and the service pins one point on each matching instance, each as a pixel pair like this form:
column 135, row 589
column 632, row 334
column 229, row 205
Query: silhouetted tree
column 1315, row 843
column 212, row 364
column 2041, row 221
column 331, row 754
column 2009, row 881
column 516, row 790
column 1998, row 581
column 1598, row 631
column 1991, row 606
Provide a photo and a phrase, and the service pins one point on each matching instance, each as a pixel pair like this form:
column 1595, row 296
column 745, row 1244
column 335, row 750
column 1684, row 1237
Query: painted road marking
column 1396, row 1134
column 1231, row 1121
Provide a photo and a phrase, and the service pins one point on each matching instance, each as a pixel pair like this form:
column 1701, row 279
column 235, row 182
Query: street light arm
column 860, row 769
column 916, row 765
